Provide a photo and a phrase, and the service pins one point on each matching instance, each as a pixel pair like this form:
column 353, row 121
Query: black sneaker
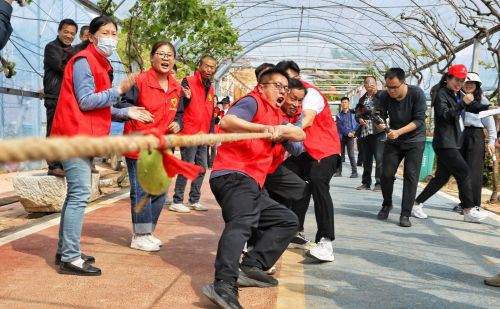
column 301, row 242
column 377, row 188
column 337, row 174
column 404, row 221
column 363, row 187
column 254, row 276
column 384, row 212
column 354, row 175
column 458, row 209
column 223, row 293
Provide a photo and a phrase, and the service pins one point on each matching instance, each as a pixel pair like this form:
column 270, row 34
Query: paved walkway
column 437, row 263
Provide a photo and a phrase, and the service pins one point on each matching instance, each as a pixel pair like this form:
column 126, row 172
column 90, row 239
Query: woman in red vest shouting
column 85, row 108
column 158, row 92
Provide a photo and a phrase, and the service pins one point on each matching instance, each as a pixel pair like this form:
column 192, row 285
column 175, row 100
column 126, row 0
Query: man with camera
column 370, row 134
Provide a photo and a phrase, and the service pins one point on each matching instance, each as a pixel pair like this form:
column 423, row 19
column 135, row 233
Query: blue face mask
column 106, row 46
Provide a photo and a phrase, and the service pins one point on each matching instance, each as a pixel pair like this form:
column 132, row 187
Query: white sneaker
column 323, row 250
column 418, row 211
column 475, row 215
column 168, row 201
column 154, row 240
column 142, row 242
column 178, row 207
column 197, row 206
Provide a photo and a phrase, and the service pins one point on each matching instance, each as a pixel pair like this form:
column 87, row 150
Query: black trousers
column 245, row 207
column 211, row 152
column 450, row 162
column 50, row 106
column 360, row 152
column 394, row 153
column 284, row 186
column 318, row 174
column 373, row 146
column 473, row 153
column 348, row 142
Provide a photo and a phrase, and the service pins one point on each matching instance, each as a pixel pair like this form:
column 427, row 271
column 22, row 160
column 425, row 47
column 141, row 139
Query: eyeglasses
column 394, row 87
column 278, row 86
column 164, row 55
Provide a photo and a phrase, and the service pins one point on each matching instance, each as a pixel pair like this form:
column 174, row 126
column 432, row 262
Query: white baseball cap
column 473, row 77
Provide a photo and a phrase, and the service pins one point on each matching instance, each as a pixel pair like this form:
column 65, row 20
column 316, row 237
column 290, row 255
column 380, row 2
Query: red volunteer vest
column 322, row 139
column 163, row 105
column 252, row 157
column 198, row 114
column 278, row 150
column 69, row 119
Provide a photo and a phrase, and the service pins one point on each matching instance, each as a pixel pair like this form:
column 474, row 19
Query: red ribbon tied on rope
column 172, row 164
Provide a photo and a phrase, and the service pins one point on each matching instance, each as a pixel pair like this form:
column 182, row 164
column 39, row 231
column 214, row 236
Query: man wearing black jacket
column 405, row 106
column 52, row 79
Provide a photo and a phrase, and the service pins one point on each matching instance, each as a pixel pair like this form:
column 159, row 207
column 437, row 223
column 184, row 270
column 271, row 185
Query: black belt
column 473, row 127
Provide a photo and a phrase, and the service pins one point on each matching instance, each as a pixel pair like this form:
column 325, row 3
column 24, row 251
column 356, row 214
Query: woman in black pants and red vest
column 450, row 106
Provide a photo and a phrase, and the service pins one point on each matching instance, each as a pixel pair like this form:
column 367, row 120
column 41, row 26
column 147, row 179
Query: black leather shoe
column 86, row 270
column 363, row 187
column 383, row 214
column 86, row 258
column 254, row 276
column 404, row 221
column 223, row 293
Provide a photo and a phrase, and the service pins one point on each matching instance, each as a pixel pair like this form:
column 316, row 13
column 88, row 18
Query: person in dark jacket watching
column 450, row 106
column 84, row 33
column 52, row 79
column 371, row 136
column 405, row 107
column 347, row 126
column 5, row 27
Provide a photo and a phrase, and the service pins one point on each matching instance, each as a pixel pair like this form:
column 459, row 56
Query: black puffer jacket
column 53, row 67
column 447, row 113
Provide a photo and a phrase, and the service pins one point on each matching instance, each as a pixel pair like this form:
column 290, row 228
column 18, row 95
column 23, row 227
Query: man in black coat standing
column 52, row 79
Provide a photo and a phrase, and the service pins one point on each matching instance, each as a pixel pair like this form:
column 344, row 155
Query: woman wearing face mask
column 85, row 108
column 159, row 93
column 473, row 145
column 450, row 106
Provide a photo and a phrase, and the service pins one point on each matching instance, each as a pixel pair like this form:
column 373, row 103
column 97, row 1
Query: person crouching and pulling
column 238, row 175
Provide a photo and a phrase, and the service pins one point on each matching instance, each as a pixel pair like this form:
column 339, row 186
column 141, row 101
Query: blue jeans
column 145, row 221
column 78, row 179
column 198, row 156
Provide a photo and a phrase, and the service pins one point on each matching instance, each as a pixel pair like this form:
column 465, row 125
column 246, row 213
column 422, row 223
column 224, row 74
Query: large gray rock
column 42, row 193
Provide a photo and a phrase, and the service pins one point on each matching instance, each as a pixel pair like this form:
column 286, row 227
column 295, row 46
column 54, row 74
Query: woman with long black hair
column 450, row 105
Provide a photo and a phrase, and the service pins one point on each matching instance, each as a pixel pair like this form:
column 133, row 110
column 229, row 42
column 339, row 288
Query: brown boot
column 493, row 281
column 58, row 172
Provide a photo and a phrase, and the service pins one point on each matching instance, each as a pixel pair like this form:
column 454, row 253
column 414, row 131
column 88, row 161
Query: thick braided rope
column 62, row 148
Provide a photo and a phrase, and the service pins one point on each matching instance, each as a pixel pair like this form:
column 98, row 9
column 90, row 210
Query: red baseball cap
column 458, row 70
